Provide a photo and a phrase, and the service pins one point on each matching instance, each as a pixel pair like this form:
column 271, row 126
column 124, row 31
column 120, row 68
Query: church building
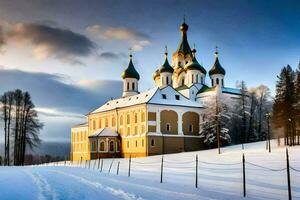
column 165, row 119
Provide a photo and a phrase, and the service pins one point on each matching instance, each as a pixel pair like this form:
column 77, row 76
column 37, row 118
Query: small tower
column 195, row 73
column 217, row 72
column 130, row 79
column 163, row 76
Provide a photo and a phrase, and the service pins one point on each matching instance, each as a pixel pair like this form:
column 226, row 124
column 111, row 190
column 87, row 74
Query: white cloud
column 136, row 40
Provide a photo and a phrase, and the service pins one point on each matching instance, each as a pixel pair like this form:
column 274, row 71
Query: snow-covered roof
column 228, row 90
column 231, row 90
column 164, row 96
column 104, row 132
column 80, row 125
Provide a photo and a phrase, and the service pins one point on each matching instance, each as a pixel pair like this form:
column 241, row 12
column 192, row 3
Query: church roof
column 184, row 46
column 226, row 90
column 130, row 72
column 194, row 65
column 160, row 96
column 80, row 125
column 166, row 67
column 217, row 68
column 205, row 88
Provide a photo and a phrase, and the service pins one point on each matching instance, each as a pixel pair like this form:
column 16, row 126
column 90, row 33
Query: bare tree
column 18, row 107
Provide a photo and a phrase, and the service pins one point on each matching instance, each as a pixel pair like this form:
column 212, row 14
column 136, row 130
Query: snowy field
column 219, row 177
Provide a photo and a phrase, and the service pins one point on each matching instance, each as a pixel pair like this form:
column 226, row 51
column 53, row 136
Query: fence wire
column 296, row 170
column 266, row 168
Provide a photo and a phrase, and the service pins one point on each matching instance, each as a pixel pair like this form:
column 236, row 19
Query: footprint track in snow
column 113, row 191
column 45, row 191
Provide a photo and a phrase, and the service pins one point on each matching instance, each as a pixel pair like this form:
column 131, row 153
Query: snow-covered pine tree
column 216, row 122
column 242, row 111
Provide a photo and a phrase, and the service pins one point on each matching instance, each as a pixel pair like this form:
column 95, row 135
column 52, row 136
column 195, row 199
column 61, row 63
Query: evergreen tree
column 283, row 108
column 297, row 101
column 215, row 128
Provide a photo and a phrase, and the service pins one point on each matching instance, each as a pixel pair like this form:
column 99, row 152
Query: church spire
column 184, row 46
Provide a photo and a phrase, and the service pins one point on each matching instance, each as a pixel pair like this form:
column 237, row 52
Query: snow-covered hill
column 219, row 177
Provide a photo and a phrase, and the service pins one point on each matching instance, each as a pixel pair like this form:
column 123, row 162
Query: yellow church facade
column 165, row 119
column 155, row 122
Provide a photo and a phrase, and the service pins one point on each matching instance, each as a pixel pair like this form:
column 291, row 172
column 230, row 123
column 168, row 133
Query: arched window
column 190, row 128
column 135, row 130
column 106, row 122
column 212, row 82
column 127, row 86
column 111, row 146
column 223, row 82
column 113, row 121
column 121, row 120
column 168, row 127
column 128, row 119
column 133, row 86
column 197, row 78
column 143, row 116
column 201, row 79
column 152, row 142
column 143, row 129
column 192, row 78
column 102, row 146
column 167, row 80
column 94, row 124
column 162, row 80
column 127, row 144
column 182, row 82
column 135, row 118
column 99, row 123
column 136, row 143
column 217, row 81
column 117, row 147
column 128, row 130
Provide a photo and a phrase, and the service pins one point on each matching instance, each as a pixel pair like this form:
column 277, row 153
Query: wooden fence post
column 196, row 171
column 98, row 163
column 101, row 165
column 129, row 165
column 161, row 169
column 288, row 174
column 110, row 165
column 118, row 167
column 244, row 177
column 94, row 164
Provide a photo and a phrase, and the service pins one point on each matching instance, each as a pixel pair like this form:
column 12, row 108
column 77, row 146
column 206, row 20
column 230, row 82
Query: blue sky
column 78, row 49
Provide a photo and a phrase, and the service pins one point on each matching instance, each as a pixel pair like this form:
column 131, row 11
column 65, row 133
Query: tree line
column 21, row 126
column 240, row 121
column 286, row 108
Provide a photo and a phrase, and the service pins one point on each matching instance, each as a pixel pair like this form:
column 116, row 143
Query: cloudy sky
column 69, row 54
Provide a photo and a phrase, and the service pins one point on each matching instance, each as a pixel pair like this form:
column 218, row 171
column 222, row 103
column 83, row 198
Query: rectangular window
column 177, row 97
column 152, row 143
column 164, row 96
